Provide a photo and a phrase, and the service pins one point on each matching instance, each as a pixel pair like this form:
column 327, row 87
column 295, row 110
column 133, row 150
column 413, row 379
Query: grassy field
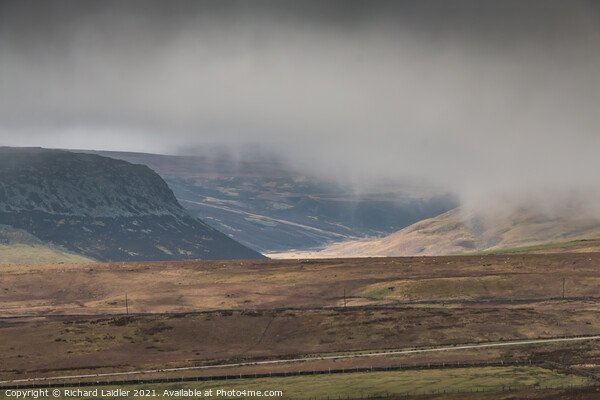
column 207, row 285
column 502, row 286
column 371, row 384
column 44, row 345
column 20, row 253
column 20, row 247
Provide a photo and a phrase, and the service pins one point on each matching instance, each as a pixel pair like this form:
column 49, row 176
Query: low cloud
column 491, row 100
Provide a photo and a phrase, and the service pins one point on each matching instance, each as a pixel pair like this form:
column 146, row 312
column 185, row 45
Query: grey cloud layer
column 483, row 97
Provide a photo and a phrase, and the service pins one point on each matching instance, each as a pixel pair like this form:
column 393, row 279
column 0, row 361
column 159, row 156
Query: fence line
column 573, row 369
column 277, row 374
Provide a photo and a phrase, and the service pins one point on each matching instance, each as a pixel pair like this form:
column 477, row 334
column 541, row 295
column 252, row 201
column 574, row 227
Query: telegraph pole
column 344, row 297
column 126, row 304
column 563, row 288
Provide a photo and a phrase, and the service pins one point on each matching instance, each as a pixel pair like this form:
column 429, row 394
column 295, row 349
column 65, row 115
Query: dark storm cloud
column 484, row 97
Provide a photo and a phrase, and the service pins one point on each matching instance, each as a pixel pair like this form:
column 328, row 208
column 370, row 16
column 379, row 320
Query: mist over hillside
column 461, row 231
column 264, row 203
column 487, row 99
column 495, row 101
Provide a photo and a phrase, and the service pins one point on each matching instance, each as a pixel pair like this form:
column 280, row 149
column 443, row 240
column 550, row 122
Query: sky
column 489, row 99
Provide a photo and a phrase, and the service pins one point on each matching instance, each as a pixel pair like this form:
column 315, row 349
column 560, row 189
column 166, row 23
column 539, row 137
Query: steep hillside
column 260, row 201
column 103, row 208
column 457, row 231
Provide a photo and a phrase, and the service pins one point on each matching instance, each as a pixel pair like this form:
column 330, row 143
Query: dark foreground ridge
column 102, row 208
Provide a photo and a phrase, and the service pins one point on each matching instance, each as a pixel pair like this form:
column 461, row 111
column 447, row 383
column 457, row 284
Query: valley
column 299, row 200
column 258, row 199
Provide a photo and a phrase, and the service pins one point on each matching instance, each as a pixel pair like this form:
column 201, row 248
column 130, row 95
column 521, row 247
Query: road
column 294, row 360
column 281, row 221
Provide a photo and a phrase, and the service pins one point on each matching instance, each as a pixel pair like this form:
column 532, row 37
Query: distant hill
column 260, row 201
column 103, row 209
column 455, row 232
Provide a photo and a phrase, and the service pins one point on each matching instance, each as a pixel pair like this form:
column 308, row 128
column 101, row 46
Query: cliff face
column 103, row 208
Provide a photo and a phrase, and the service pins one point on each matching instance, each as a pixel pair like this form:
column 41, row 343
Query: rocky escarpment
column 103, row 208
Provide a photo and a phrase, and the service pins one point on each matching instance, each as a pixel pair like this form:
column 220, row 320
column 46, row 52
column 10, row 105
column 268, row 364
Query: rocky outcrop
column 106, row 209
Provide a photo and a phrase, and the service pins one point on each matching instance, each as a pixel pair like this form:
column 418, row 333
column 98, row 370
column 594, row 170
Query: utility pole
column 126, row 304
column 344, row 297
column 563, row 288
